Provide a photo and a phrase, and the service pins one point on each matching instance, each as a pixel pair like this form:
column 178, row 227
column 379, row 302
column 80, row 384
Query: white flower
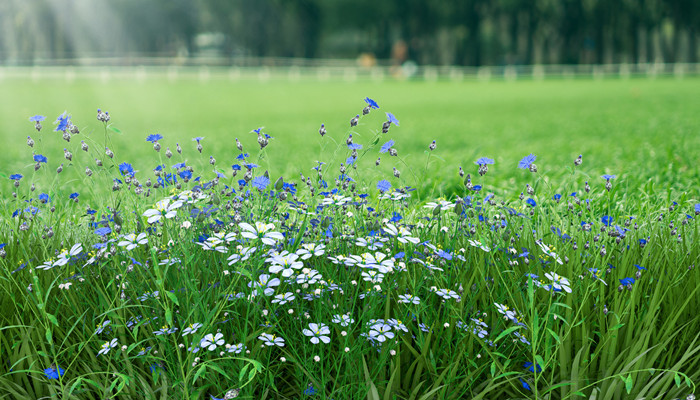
column 478, row 244
column 308, row 250
column 210, row 341
column 163, row 209
column 336, row 200
column 559, row 282
column 237, row 348
column 131, row 241
column 545, row 249
column 381, row 332
column 287, row 264
column 447, row 294
column 402, row 234
column 191, row 329
column 317, row 358
column 283, row 298
column 409, row 298
column 107, row 346
column 342, row 319
column 65, row 286
column 261, row 231
column 444, row 204
column 265, row 283
column 271, row 340
column 243, row 254
column 318, row 333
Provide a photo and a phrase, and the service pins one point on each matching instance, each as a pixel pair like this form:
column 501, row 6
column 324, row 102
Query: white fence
column 265, row 69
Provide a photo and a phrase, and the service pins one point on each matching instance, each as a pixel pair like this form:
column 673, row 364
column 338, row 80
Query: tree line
column 439, row 32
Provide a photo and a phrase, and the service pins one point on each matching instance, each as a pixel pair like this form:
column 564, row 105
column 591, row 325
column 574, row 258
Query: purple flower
column 383, row 185
column 154, row 138
column 390, row 117
column 372, row 103
column 386, row 146
column 527, row 161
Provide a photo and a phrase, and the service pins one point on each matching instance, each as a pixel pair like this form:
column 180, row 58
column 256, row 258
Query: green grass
column 602, row 339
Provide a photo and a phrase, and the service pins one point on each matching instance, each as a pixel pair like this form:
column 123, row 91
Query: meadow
column 514, row 239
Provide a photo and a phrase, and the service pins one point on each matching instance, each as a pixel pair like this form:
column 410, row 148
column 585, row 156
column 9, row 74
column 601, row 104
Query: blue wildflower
column 185, row 175
column 626, row 281
column 258, row 130
column 484, row 161
column 607, row 220
column 531, row 202
column 37, row 118
column 476, row 188
column 16, row 177
column 310, row 391
column 527, row 161
column 383, row 185
column 197, row 139
column 386, row 146
column 639, row 267
column 608, row 177
column 219, row 174
column 103, row 231
column 261, row 182
column 372, row 103
column 242, row 156
column 697, row 209
column 153, row 138
column 179, row 165
column 250, row 166
column 392, row 119
column 62, row 122
column 557, row 197
column 39, row 158
column 126, row 168
column 525, row 384
column 236, row 167
column 44, row 198
column 74, row 196
column 396, row 217
column 54, row 372
column 530, row 366
column 354, row 146
column 444, row 255
column 350, row 160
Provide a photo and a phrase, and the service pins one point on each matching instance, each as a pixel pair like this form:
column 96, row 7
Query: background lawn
column 647, row 129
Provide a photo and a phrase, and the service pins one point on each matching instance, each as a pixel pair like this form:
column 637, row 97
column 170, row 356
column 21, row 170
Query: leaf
column 169, row 316
column 115, row 130
column 373, row 393
column 629, row 383
column 677, row 378
column 616, row 327
column 493, row 368
column 506, row 333
column 52, row 318
column 48, row 334
column 554, row 335
column 243, row 370
column 688, row 381
column 172, row 297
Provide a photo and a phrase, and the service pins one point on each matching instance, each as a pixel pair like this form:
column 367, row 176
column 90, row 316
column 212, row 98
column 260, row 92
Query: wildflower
column 163, row 209
column 107, row 346
column 607, row 220
column 608, row 177
column 54, row 371
column 308, row 250
column 210, row 342
column 447, row 294
column 271, row 340
column 65, row 286
column 392, row 119
column 531, row 367
column 371, row 103
column 153, row 138
column 531, row 202
column 386, row 146
column 101, row 327
column 191, row 329
column 265, row 283
column 318, row 333
column 287, row 264
column 261, row 231
column 527, row 162
column 578, row 160
column 354, row 120
column 409, row 299
column 62, row 122
column 484, row 161
column 322, row 131
column 131, row 241
column 282, row 299
column 261, row 182
column 558, row 282
column 381, row 332
column 126, row 169
column 383, row 185
column 525, row 384
column 402, row 234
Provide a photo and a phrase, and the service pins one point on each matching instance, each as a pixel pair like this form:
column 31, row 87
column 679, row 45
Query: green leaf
column 48, row 334
column 616, row 327
column 506, row 333
column 677, row 378
column 52, row 318
column 493, row 368
column 169, row 316
column 172, row 297
column 115, row 130
column 554, row 335
column 579, row 394
column 629, row 383
column 688, row 381
column 242, row 373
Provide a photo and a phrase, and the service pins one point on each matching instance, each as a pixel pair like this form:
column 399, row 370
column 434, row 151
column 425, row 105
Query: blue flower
column 396, row 217
column 476, row 188
column 383, row 185
column 350, row 160
column 525, row 384
column 444, row 255
column 371, row 103
column 257, row 130
column 54, row 372
column 242, row 156
column 44, row 198
column 261, row 182
column 185, row 175
column 642, row 242
column 310, row 391
column 153, row 138
column 354, row 146
column 62, row 122
column 37, row 118
column 219, row 174
column 390, row 117
column 16, row 177
column 74, row 196
column 527, row 161
column 608, row 177
column 530, row 366
column 39, row 158
column 697, row 208
column 103, row 231
column 386, row 146
column 197, row 139
column 179, row 165
column 531, row 202
column 126, row 168
column 639, row 267
column 607, row 220
column 483, row 161
column 626, row 281
column 250, row 166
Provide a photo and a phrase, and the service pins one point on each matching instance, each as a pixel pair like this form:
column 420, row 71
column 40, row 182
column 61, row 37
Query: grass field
column 620, row 126
column 571, row 279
